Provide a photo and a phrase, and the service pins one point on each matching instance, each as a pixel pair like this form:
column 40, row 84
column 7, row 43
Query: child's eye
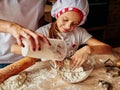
column 65, row 20
column 75, row 25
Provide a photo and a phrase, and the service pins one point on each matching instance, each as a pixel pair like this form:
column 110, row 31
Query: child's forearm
column 101, row 49
column 15, row 48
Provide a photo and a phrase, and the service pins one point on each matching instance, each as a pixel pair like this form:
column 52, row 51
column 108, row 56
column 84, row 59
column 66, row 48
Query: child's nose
column 68, row 25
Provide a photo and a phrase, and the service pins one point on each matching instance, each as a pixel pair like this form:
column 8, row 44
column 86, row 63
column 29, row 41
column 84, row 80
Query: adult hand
column 32, row 38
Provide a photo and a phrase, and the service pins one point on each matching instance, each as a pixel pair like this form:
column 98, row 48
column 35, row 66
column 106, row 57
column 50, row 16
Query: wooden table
column 41, row 77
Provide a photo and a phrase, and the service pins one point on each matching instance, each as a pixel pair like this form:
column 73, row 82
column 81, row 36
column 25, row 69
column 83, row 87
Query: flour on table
column 28, row 79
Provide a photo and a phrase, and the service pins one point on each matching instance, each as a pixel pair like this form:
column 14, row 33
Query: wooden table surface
column 41, row 77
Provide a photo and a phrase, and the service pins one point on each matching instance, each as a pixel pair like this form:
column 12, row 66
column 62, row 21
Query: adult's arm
column 20, row 32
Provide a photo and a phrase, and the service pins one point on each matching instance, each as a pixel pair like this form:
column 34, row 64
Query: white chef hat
column 62, row 6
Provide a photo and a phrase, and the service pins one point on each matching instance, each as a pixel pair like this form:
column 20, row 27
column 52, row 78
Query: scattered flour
column 31, row 79
column 38, row 77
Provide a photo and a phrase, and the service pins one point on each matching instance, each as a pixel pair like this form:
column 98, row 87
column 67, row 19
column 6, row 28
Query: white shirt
column 24, row 12
column 73, row 39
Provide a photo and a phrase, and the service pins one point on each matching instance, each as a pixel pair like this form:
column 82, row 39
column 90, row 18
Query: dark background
column 103, row 21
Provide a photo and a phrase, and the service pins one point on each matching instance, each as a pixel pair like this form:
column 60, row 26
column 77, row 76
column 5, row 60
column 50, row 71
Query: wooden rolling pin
column 16, row 68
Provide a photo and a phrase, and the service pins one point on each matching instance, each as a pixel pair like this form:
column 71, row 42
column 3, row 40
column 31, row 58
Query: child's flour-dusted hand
column 80, row 56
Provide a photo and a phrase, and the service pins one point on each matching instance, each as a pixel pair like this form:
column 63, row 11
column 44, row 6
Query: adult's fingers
column 29, row 39
column 37, row 38
column 19, row 41
column 44, row 39
column 33, row 40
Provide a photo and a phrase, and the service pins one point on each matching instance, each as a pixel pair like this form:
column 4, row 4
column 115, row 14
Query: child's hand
column 59, row 64
column 80, row 57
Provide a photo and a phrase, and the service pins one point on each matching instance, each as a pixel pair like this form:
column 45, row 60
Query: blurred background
column 104, row 21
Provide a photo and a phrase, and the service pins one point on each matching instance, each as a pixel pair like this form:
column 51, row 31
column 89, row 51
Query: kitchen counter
column 41, row 77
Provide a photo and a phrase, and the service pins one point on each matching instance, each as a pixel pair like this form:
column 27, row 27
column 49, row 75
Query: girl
column 70, row 14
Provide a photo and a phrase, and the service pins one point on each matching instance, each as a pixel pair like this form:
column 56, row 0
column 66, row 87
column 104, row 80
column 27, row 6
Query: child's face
column 68, row 21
